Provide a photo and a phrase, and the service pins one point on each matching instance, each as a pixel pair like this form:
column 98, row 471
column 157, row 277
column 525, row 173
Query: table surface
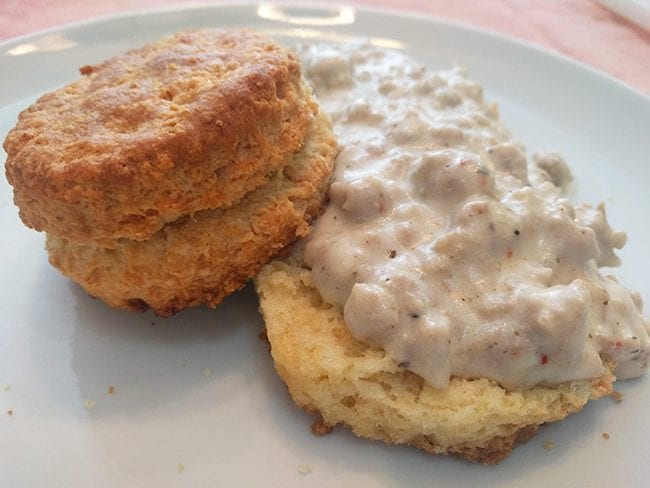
column 581, row 29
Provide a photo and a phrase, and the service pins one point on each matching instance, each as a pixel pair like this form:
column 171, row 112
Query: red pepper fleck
column 543, row 359
column 619, row 344
column 509, row 253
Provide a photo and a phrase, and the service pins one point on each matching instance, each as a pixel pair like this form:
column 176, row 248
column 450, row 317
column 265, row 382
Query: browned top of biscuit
column 190, row 122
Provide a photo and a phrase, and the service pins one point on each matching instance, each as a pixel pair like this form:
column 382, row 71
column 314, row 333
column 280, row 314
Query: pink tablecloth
column 581, row 29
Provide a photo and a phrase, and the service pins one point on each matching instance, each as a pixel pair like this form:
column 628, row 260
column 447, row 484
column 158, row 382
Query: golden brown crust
column 201, row 259
column 191, row 122
column 332, row 375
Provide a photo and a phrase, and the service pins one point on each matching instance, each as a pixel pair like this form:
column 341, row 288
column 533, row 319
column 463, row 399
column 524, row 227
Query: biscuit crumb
column 617, row 396
column 265, row 338
column 89, row 404
column 111, row 390
column 605, row 435
column 319, row 427
column 180, row 468
column 304, row 469
column 10, row 412
column 207, row 372
column 6, row 387
column 548, row 445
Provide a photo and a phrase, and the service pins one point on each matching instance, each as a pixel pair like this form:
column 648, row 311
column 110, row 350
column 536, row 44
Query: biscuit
column 201, row 259
column 332, row 375
column 191, row 122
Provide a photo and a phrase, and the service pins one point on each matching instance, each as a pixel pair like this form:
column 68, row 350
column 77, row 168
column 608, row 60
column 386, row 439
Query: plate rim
column 409, row 14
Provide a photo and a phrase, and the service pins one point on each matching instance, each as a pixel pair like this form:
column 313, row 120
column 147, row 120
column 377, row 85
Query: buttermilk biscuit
column 188, row 123
column 201, row 259
column 332, row 375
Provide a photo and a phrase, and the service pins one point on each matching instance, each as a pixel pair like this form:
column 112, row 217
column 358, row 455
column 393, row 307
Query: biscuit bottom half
column 332, row 375
column 202, row 258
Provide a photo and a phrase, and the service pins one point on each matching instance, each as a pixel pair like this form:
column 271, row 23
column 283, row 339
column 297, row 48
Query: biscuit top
column 193, row 121
column 447, row 248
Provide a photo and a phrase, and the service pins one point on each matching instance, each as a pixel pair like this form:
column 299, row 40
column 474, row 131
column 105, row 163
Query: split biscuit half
column 332, row 375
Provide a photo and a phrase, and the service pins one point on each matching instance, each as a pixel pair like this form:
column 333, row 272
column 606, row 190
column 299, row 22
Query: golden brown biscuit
column 334, row 376
column 191, row 122
column 201, row 259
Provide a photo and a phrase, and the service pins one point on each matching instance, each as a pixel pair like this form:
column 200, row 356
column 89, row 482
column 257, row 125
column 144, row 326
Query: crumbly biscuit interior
column 330, row 374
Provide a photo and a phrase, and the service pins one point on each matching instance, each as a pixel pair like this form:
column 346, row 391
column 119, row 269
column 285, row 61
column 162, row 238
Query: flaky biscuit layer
column 203, row 258
column 190, row 122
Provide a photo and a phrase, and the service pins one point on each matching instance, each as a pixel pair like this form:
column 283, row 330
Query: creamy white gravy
column 446, row 247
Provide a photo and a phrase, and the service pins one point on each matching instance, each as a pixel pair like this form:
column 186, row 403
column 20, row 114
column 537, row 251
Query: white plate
column 235, row 423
